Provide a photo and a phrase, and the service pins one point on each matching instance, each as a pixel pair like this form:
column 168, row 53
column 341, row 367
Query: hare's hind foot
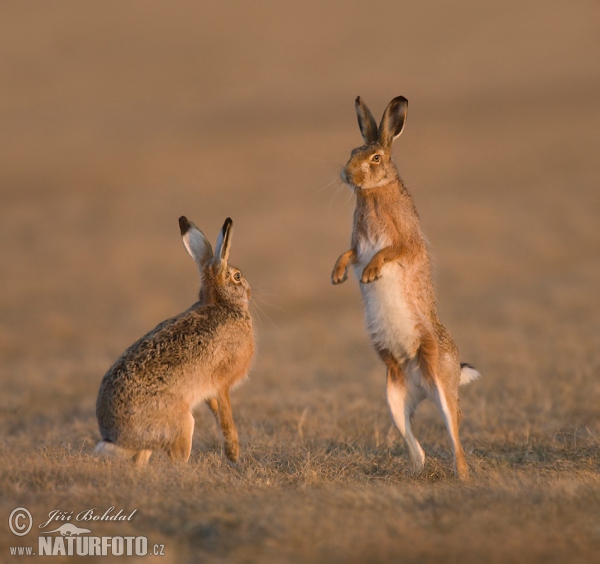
column 461, row 468
column 138, row 457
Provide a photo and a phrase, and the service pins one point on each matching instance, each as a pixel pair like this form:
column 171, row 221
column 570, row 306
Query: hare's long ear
column 392, row 122
column 224, row 242
column 195, row 242
column 366, row 121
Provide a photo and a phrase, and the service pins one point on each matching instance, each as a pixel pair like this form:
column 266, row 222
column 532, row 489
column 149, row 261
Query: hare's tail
column 468, row 373
column 109, row 449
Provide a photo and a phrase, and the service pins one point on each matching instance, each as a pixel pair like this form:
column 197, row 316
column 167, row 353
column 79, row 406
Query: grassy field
column 118, row 119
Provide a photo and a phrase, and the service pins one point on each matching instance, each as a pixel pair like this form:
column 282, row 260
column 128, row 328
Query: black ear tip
column 228, row 223
column 184, row 224
column 358, row 100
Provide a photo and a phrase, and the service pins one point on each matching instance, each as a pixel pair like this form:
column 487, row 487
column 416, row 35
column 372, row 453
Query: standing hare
column 146, row 399
column 390, row 258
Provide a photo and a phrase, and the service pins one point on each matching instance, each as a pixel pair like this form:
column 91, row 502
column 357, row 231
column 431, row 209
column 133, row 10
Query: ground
column 117, row 119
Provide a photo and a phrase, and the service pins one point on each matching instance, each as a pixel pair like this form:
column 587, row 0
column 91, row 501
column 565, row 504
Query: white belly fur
column 391, row 321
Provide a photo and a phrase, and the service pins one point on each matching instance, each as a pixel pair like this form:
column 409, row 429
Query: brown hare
column 390, row 258
column 146, row 399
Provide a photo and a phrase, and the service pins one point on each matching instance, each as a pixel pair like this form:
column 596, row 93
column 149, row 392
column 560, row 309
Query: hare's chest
column 366, row 250
column 390, row 317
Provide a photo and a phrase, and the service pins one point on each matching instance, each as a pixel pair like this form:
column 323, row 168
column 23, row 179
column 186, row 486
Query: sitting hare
column 147, row 397
column 390, row 258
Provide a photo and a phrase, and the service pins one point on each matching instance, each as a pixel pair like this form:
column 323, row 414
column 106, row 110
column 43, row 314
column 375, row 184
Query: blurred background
column 118, row 117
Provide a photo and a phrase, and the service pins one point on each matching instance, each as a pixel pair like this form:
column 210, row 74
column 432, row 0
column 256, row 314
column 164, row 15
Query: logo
column 71, row 540
column 20, row 521
column 70, row 543
column 69, row 530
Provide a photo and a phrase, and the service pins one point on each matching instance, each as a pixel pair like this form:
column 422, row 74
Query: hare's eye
column 237, row 276
column 376, row 158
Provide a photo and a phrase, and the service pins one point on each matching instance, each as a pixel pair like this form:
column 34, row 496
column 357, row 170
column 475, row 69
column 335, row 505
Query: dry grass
column 117, row 121
column 323, row 475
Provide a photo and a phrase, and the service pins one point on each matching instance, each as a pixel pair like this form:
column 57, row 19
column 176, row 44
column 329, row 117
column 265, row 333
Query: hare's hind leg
column 180, row 446
column 447, row 403
column 141, row 457
column 402, row 400
column 228, row 428
column 436, row 371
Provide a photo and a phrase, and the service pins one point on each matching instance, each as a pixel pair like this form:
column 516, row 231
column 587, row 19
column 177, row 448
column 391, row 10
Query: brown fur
column 387, row 230
column 146, row 399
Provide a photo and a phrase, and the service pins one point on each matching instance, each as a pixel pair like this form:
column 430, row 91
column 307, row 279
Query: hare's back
column 154, row 363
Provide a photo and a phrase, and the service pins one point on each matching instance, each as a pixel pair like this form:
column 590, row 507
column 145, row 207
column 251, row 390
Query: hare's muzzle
column 346, row 175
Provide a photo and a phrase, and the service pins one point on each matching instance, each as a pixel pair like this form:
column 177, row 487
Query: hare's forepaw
column 339, row 274
column 371, row 273
column 340, row 270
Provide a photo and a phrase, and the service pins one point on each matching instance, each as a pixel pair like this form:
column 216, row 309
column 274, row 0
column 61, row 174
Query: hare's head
column 370, row 165
column 220, row 282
